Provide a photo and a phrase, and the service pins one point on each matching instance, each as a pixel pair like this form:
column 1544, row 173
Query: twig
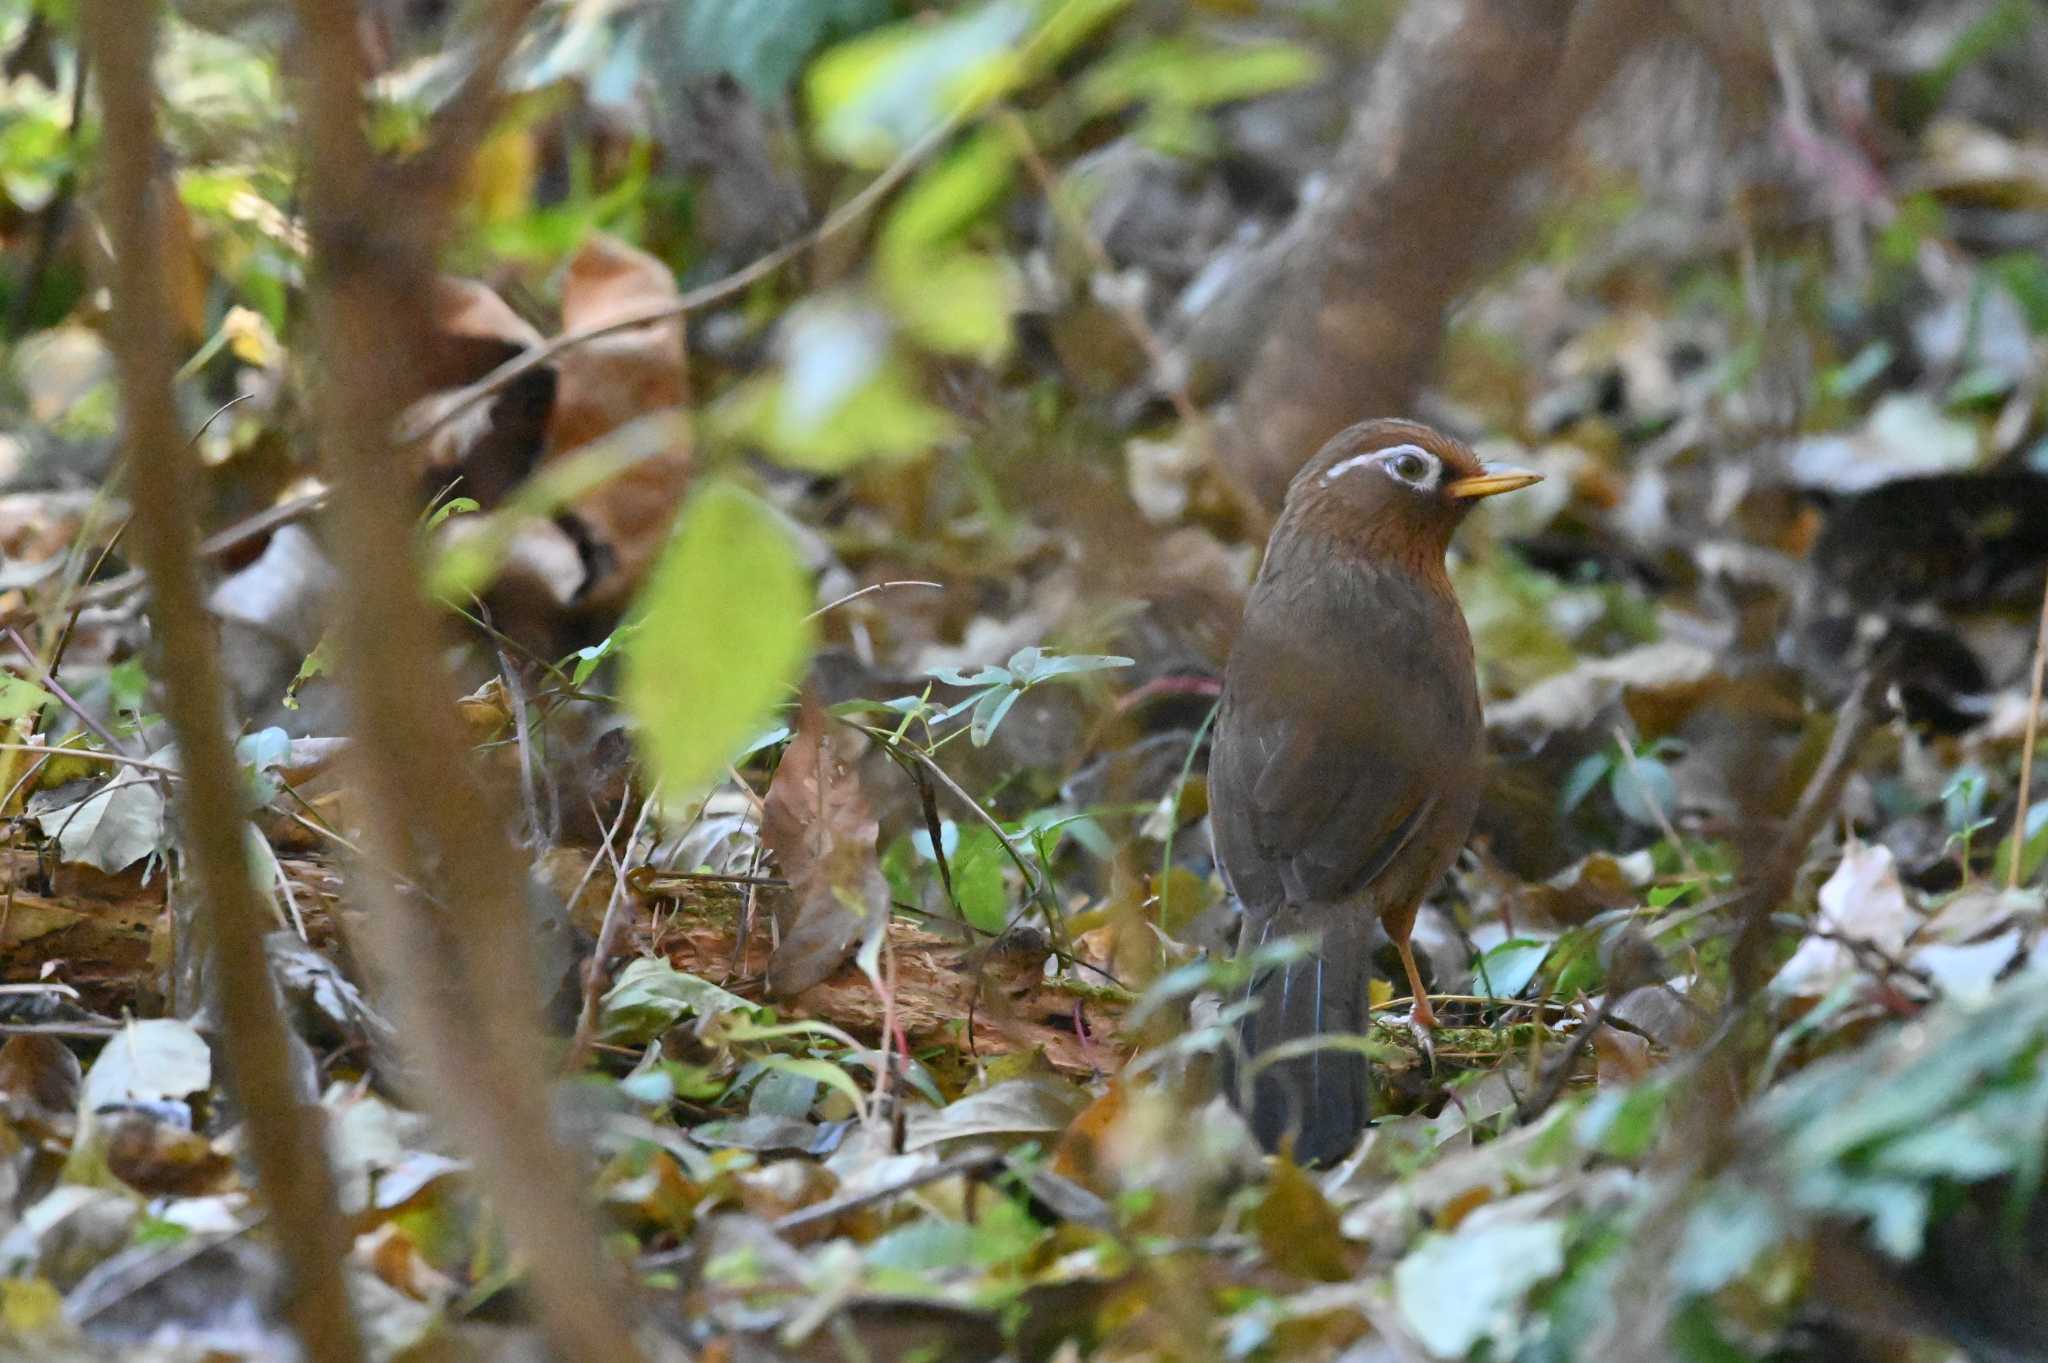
column 1773, row 882
column 117, row 759
column 216, row 545
column 285, row 1140
column 1551, row 1086
column 869, row 590
column 41, row 987
column 655, row 884
column 841, row 218
column 1664, row 824
column 609, row 930
column 958, row 1166
column 2019, row 816
column 84, row 1031
column 284, row 888
column 48, row 680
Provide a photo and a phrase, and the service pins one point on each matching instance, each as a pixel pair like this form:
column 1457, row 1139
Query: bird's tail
column 1321, row 1095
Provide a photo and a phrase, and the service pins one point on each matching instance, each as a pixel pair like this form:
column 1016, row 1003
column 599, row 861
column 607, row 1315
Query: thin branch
column 117, row 759
column 870, row 590
column 214, row 546
column 841, row 218
column 48, row 680
column 610, row 930
column 1772, row 883
column 285, row 1138
column 2019, row 815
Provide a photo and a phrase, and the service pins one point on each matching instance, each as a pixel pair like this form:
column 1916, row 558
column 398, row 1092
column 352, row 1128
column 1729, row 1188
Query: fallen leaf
column 1297, row 1227
column 1862, row 901
column 149, row 1062
column 1456, row 1290
column 113, row 828
column 818, row 823
column 1015, row 1107
column 611, row 380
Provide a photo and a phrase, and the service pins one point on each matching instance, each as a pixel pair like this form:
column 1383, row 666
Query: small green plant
column 1962, row 806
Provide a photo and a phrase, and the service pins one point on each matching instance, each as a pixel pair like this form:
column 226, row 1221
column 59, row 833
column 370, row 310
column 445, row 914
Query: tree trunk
column 1468, row 95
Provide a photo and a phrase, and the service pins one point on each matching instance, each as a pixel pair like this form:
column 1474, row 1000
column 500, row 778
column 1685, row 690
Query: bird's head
column 1393, row 490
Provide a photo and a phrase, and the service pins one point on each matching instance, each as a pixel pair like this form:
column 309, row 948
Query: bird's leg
column 1425, row 1016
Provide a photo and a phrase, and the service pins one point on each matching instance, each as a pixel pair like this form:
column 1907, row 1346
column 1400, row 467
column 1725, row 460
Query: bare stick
column 869, row 590
column 1772, row 882
column 285, row 1139
column 841, row 218
column 48, row 679
column 609, row 931
column 2019, row 815
column 212, row 547
column 464, row 974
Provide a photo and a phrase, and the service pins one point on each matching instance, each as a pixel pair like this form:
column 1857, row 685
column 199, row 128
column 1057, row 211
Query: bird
column 1346, row 762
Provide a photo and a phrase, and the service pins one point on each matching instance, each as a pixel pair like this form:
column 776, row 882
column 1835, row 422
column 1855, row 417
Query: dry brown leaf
column 611, row 380
column 495, row 444
column 471, row 332
column 1297, row 1227
column 819, row 825
column 161, row 1159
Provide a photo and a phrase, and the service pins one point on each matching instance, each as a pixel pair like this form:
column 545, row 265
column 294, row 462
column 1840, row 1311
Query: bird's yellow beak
column 1496, row 480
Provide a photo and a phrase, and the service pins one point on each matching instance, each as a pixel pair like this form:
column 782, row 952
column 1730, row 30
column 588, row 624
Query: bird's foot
column 1422, row 1026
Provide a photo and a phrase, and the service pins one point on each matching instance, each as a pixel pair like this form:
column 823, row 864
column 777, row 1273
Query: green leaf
column 1725, row 1232
column 1456, row 1290
column 1030, row 665
column 873, row 97
column 1583, row 779
column 991, row 675
column 821, row 1072
column 951, row 299
column 1000, row 1232
column 721, row 637
column 1644, row 791
column 949, row 197
column 977, row 860
column 1194, row 73
column 839, row 395
column 2033, row 850
column 989, row 712
column 20, row 697
column 1505, row 970
column 651, row 996
column 454, row 506
column 762, row 43
column 953, row 302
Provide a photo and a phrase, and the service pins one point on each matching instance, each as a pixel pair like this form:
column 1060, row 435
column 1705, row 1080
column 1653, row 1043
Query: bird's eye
column 1411, row 466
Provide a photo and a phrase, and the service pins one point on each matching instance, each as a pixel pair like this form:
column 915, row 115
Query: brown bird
column 1346, row 764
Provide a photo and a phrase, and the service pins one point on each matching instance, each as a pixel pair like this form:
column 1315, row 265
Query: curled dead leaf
column 818, row 823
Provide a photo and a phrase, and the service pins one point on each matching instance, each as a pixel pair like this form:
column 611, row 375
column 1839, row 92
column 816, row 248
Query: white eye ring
column 1412, row 465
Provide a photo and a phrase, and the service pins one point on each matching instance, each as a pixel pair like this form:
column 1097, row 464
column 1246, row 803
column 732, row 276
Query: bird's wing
column 1332, row 810
column 1323, row 802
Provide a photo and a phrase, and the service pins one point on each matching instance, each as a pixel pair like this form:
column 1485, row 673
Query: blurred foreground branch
column 286, row 1141
column 463, row 974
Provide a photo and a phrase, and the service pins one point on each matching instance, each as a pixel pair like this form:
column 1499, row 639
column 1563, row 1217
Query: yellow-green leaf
column 954, row 302
column 874, row 96
column 720, row 638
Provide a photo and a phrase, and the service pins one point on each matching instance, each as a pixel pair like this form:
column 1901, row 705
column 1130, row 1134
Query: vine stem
column 2019, row 816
